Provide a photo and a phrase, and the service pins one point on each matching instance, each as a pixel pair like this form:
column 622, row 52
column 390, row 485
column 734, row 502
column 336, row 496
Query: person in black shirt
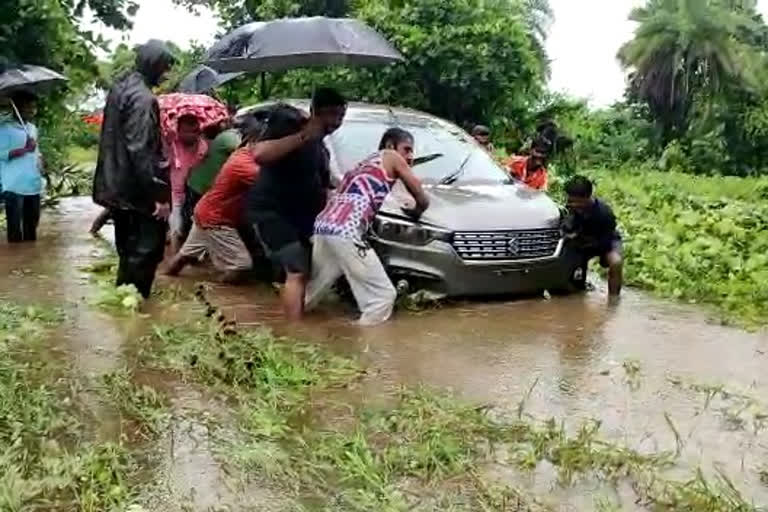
column 591, row 227
column 293, row 187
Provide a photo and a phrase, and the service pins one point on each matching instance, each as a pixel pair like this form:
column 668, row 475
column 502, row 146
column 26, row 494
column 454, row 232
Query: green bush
column 701, row 240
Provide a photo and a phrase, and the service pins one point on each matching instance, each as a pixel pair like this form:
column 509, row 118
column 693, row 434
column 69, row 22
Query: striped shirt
column 351, row 210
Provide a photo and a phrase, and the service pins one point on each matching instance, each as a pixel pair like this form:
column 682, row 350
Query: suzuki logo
column 513, row 247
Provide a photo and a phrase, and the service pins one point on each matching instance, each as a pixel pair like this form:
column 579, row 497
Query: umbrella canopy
column 173, row 106
column 203, row 79
column 300, row 42
column 32, row 79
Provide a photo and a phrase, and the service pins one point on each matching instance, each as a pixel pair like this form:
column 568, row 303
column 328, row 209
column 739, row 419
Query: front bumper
column 436, row 266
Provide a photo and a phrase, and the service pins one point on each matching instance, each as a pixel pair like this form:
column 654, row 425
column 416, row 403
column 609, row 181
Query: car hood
column 480, row 207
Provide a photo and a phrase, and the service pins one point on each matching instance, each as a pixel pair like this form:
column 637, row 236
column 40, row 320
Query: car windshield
column 462, row 160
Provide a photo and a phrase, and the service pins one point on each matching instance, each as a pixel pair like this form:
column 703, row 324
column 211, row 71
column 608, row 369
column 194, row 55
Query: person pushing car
column 293, row 187
column 339, row 245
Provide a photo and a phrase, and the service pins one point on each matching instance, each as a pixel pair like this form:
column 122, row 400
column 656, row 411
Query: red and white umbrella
column 207, row 110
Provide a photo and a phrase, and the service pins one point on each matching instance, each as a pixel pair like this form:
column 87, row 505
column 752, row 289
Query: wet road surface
column 575, row 358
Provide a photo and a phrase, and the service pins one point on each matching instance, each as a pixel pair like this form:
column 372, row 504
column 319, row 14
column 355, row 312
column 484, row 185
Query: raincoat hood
column 131, row 171
column 152, row 59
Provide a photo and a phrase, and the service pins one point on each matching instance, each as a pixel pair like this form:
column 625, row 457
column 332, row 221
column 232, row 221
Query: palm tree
column 538, row 17
column 686, row 48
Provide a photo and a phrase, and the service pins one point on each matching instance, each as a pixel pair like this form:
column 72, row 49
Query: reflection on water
column 572, row 348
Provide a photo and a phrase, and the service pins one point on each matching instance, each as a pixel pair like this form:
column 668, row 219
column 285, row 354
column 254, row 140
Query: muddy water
column 576, row 358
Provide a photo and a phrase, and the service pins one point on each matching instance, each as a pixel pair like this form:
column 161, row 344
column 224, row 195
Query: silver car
column 483, row 233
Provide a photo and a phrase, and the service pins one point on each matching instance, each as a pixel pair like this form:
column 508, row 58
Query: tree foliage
column 696, row 71
column 685, row 48
column 49, row 33
column 237, row 12
column 536, row 16
column 608, row 137
column 123, row 59
column 469, row 61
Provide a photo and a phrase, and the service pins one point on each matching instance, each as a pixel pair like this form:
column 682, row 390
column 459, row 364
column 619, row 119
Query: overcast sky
column 582, row 43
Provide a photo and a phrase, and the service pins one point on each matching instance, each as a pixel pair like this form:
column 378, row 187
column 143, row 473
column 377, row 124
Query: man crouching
column 591, row 228
column 218, row 217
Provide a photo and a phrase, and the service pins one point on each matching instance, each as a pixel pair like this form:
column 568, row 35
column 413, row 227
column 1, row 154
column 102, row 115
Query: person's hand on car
column 408, row 206
column 411, row 211
column 569, row 225
column 31, row 144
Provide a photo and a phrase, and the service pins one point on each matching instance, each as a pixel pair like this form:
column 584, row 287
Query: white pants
column 333, row 257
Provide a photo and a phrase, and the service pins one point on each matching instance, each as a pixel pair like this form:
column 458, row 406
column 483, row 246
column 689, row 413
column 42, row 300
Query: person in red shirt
column 216, row 219
column 531, row 169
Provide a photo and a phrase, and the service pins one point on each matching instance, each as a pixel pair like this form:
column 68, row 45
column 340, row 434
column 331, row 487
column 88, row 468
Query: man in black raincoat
column 131, row 174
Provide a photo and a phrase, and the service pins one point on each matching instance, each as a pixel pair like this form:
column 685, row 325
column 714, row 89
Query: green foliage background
column 695, row 101
column 49, row 33
column 702, row 240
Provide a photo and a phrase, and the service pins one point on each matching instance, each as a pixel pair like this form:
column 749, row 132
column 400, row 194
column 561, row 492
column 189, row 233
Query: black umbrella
column 300, row 42
column 203, row 79
column 33, row 79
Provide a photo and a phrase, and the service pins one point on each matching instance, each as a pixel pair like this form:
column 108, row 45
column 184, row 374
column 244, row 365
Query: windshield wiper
column 426, row 159
column 455, row 175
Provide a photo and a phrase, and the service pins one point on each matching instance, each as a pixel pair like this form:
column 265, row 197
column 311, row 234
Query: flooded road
column 647, row 369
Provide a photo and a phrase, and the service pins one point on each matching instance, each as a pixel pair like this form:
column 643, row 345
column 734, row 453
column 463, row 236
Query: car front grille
column 506, row 245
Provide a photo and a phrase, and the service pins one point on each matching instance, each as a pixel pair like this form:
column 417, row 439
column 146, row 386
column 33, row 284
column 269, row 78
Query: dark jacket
column 131, row 173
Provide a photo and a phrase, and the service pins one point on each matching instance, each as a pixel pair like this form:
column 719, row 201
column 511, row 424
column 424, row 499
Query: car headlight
column 407, row 232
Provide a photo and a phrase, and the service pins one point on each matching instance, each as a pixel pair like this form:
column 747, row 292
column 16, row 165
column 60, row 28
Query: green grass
column 124, row 299
column 47, row 461
column 738, row 409
column 419, row 449
column 145, row 408
column 82, row 156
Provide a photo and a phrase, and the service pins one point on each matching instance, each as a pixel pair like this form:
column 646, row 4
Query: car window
column 357, row 139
